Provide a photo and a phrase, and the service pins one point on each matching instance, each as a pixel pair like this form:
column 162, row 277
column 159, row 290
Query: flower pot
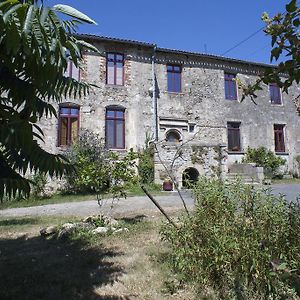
column 168, row 186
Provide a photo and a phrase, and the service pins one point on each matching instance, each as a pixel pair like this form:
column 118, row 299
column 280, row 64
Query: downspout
column 154, row 98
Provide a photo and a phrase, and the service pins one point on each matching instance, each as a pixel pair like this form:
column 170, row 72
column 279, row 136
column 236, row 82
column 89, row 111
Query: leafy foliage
column 283, row 30
column 146, row 163
column 38, row 182
column 240, row 241
column 98, row 170
column 35, row 48
column 264, row 158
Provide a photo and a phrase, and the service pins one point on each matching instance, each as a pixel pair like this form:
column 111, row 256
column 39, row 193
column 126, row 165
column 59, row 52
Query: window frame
column 69, row 71
column 115, row 119
column 279, row 138
column 115, row 61
column 234, row 130
column 67, row 116
column 171, row 73
column 227, row 82
column 275, row 101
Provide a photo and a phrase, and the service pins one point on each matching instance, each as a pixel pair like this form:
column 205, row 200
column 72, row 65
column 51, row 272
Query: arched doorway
column 189, row 176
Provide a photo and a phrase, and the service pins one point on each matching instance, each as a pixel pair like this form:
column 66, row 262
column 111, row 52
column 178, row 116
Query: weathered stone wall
column 175, row 159
column 134, row 96
column 201, row 103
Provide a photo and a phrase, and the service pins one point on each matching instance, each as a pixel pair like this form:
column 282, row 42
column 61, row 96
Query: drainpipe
column 154, row 98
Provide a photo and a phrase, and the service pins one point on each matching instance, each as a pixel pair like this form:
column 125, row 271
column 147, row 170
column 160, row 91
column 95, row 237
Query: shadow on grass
column 133, row 220
column 36, row 268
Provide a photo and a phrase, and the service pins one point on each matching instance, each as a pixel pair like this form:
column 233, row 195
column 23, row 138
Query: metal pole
column 154, row 98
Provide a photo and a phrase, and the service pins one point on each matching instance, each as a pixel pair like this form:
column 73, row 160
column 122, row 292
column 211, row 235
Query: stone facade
column 198, row 114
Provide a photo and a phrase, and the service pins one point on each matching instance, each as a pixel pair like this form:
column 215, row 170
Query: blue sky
column 185, row 24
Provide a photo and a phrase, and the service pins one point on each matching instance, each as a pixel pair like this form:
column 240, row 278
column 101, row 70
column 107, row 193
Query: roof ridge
column 136, row 42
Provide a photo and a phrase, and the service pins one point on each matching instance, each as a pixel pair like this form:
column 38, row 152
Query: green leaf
column 28, row 20
column 12, row 10
column 72, row 12
column 88, row 46
column 292, row 6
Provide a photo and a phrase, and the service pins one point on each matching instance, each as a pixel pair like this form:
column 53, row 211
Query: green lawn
column 286, row 181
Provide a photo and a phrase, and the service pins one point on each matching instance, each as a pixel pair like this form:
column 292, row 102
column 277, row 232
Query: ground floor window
column 68, row 125
column 115, row 128
column 234, row 139
column 279, row 138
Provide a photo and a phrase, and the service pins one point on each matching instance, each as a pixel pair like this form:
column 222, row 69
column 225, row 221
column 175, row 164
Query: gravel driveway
column 140, row 204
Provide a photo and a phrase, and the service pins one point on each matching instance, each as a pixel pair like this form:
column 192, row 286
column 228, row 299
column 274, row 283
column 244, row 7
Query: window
column 275, row 93
column 115, row 128
column 68, row 125
column 191, row 128
column 234, row 140
column 115, row 69
column 230, row 86
column 279, row 138
column 172, row 136
column 174, row 78
column 72, row 71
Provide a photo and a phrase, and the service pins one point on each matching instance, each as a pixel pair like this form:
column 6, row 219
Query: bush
column 146, row 163
column 241, row 242
column 38, row 184
column 263, row 157
column 97, row 169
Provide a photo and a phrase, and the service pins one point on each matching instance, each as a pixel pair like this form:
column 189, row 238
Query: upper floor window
column 275, row 93
column 115, row 69
column 279, row 138
column 174, row 78
column 234, row 136
column 230, row 86
column 72, row 71
column 173, row 136
column 115, row 128
column 68, row 125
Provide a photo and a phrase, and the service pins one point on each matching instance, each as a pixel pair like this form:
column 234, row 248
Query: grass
column 56, row 198
column 132, row 190
column 27, row 225
column 128, row 265
column 286, row 181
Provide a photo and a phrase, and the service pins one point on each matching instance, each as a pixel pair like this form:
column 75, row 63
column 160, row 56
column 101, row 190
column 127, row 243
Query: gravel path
column 290, row 191
column 139, row 205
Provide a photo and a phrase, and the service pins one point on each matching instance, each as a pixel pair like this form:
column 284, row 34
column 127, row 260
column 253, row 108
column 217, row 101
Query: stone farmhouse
column 178, row 98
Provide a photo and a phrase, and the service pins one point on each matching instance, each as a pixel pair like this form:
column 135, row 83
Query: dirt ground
column 128, row 265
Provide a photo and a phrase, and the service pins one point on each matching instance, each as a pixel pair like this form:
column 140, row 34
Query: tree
column 283, row 29
column 36, row 46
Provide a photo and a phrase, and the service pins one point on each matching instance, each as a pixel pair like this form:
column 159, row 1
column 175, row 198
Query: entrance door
column 189, row 177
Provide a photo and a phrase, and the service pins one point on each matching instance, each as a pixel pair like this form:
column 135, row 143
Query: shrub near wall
column 265, row 158
column 97, row 169
column 240, row 242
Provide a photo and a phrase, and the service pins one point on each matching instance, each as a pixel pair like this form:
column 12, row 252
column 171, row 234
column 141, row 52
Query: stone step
column 246, row 178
